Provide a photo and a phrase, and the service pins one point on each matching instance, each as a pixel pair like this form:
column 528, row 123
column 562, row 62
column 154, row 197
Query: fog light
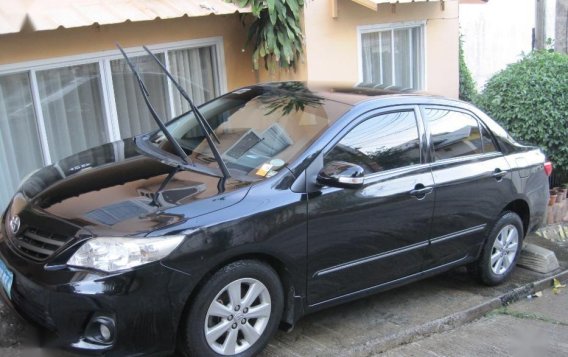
column 106, row 334
column 101, row 329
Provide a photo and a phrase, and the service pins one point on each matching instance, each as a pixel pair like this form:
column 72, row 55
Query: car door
column 377, row 233
column 472, row 183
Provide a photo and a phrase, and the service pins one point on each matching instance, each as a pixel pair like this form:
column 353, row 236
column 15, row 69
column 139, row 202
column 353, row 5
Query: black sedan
column 275, row 201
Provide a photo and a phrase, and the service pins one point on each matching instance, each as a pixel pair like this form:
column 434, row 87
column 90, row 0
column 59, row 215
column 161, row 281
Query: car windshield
column 261, row 129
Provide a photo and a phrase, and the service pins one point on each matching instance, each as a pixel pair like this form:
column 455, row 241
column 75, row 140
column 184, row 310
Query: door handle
column 420, row 191
column 499, row 174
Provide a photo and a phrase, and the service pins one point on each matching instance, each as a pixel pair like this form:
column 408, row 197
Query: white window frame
column 103, row 58
column 391, row 27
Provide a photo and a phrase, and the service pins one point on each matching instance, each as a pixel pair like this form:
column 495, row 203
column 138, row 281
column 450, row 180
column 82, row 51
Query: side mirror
column 341, row 174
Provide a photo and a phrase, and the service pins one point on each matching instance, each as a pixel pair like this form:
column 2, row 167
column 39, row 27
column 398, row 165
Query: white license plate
column 6, row 278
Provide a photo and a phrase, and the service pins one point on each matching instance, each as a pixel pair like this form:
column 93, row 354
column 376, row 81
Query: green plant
column 530, row 98
column 275, row 33
column 467, row 85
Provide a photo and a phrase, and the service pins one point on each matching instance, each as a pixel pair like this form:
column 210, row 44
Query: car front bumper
column 144, row 304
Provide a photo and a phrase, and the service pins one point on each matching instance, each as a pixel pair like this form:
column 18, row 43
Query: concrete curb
column 452, row 321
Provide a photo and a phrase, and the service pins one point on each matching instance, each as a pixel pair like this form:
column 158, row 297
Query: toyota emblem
column 15, row 224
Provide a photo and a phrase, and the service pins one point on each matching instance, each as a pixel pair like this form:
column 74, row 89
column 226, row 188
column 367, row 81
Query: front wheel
column 501, row 250
column 235, row 313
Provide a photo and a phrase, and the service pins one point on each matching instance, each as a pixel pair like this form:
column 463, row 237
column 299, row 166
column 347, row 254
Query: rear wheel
column 235, row 313
column 501, row 250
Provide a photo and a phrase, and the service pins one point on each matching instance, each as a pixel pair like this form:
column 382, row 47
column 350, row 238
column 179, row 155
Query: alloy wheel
column 504, row 249
column 238, row 316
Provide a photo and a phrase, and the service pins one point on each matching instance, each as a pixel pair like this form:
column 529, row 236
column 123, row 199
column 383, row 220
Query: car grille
column 37, row 245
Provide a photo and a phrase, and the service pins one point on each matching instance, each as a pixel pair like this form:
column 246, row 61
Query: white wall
column 496, row 34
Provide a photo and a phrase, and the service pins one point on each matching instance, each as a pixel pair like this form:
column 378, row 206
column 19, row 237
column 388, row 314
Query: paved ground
column 536, row 327
column 361, row 328
column 370, row 325
column 377, row 323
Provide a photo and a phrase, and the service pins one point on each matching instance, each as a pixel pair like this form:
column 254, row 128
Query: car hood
column 111, row 190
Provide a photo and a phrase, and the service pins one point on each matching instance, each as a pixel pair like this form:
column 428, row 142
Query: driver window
column 384, row 142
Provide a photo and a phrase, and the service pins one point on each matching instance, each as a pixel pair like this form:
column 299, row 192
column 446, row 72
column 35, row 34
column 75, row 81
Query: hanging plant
column 275, row 33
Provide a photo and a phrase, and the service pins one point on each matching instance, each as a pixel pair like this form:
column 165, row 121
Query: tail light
column 548, row 168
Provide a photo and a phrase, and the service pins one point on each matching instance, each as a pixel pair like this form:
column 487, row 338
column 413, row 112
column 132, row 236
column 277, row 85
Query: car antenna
column 205, row 127
column 179, row 151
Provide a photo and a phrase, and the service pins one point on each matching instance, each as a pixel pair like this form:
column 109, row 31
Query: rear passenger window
column 453, row 133
column 385, row 142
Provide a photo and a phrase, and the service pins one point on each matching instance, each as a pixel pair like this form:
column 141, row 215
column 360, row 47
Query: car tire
column 225, row 320
column 501, row 251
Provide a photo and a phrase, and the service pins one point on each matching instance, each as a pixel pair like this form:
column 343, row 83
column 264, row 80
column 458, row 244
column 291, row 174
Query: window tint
column 381, row 143
column 453, row 134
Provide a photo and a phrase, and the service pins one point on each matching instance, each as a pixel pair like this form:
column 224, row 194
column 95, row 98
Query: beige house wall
column 332, row 53
column 331, row 43
column 31, row 46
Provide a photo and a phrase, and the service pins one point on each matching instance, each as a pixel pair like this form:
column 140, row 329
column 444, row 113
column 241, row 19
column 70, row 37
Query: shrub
column 530, row 99
column 467, row 85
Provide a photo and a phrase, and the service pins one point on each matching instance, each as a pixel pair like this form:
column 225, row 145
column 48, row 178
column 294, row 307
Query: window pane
column 417, row 58
column 402, row 58
column 195, row 69
column 133, row 115
column 386, row 52
column 20, row 151
column 453, row 134
column 371, row 58
column 385, row 142
column 71, row 103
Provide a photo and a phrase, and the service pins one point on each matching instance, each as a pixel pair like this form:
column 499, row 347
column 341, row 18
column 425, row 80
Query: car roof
column 355, row 94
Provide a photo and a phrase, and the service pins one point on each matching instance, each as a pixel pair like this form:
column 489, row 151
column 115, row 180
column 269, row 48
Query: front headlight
column 112, row 254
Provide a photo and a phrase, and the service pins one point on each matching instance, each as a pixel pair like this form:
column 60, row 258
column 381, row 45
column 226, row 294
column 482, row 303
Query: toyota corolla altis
column 267, row 203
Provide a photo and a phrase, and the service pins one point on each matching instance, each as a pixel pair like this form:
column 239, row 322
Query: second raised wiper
column 205, row 127
column 177, row 147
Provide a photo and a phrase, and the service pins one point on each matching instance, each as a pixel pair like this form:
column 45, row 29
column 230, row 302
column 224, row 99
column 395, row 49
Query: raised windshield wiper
column 179, row 151
column 205, row 127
